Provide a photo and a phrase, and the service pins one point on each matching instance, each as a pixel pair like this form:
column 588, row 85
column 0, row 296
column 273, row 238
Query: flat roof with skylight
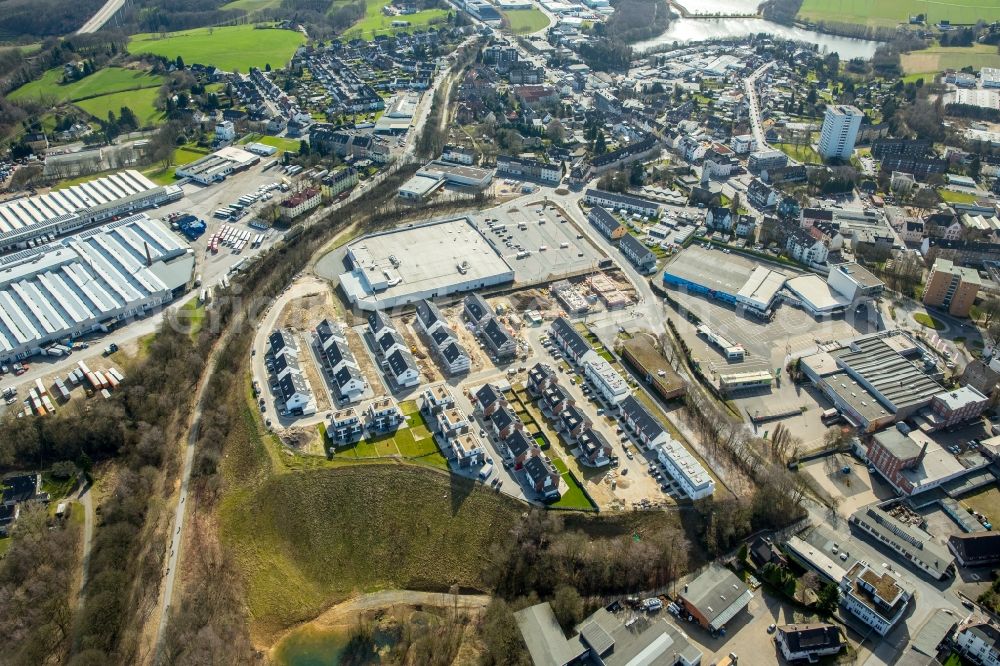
column 423, row 261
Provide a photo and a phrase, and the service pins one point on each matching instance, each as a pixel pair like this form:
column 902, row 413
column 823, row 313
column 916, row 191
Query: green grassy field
column 887, row 13
column 251, row 5
column 165, row 175
column 281, row 143
column 939, row 58
column 142, row 103
column 306, row 539
column 376, row 23
column 524, row 21
column 228, row 48
column 102, row 82
column 193, row 314
column 986, row 502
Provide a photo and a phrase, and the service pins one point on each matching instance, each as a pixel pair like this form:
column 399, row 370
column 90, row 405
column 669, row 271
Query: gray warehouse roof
column 894, row 377
column 437, row 258
column 718, row 594
column 67, row 288
column 41, row 208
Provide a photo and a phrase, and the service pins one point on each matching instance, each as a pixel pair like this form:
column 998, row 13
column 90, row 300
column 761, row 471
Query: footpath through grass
column 229, row 48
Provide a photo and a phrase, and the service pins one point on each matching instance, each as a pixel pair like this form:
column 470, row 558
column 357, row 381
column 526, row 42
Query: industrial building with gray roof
column 59, row 212
column 71, row 287
column 430, row 260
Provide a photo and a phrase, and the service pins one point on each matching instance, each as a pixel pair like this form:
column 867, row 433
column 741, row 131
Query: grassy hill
column 309, row 538
column 103, row 82
column 228, row 48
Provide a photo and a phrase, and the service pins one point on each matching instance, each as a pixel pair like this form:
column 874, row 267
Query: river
column 695, row 30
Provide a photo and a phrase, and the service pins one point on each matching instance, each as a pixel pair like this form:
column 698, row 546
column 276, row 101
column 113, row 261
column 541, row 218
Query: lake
column 698, row 30
column 311, row 647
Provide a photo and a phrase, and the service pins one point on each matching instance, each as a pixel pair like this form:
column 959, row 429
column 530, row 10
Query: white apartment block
column 840, row 131
column 979, row 642
column 605, row 378
column 685, row 470
column 877, row 599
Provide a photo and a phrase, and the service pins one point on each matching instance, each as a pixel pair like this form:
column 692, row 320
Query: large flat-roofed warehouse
column 71, row 287
column 45, row 216
column 816, row 296
column 425, row 261
column 457, row 174
column 216, row 167
column 727, row 277
column 870, row 380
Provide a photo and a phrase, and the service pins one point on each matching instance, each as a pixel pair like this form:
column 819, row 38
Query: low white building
column 611, row 385
column 683, row 468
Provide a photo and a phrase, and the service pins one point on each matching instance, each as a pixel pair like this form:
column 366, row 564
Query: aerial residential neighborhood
column 500, row 332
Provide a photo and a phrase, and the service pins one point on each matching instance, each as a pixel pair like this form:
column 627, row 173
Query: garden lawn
column 573, row 497
column 525, row 21
column 376, row 23
column 142, row 103
column 102, row 82
column 930, row 322
column 229, row 48
column 801, row 153
column 889, row 13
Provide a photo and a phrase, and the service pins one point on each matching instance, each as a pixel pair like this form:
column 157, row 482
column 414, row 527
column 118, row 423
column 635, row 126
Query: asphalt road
column 103, row 15
column 751, row 88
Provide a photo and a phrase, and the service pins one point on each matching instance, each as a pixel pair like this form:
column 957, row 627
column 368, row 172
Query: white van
column 486, row 472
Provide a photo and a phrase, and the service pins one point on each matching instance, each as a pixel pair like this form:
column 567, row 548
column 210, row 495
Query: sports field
column 282, row 144
column 376, row 23
column 939, row 58
column 887, row 13
column 103, row 82
column 229, row 48
column 526, row 21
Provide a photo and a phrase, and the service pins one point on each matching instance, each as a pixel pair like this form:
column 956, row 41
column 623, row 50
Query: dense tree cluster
column 35, row 585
